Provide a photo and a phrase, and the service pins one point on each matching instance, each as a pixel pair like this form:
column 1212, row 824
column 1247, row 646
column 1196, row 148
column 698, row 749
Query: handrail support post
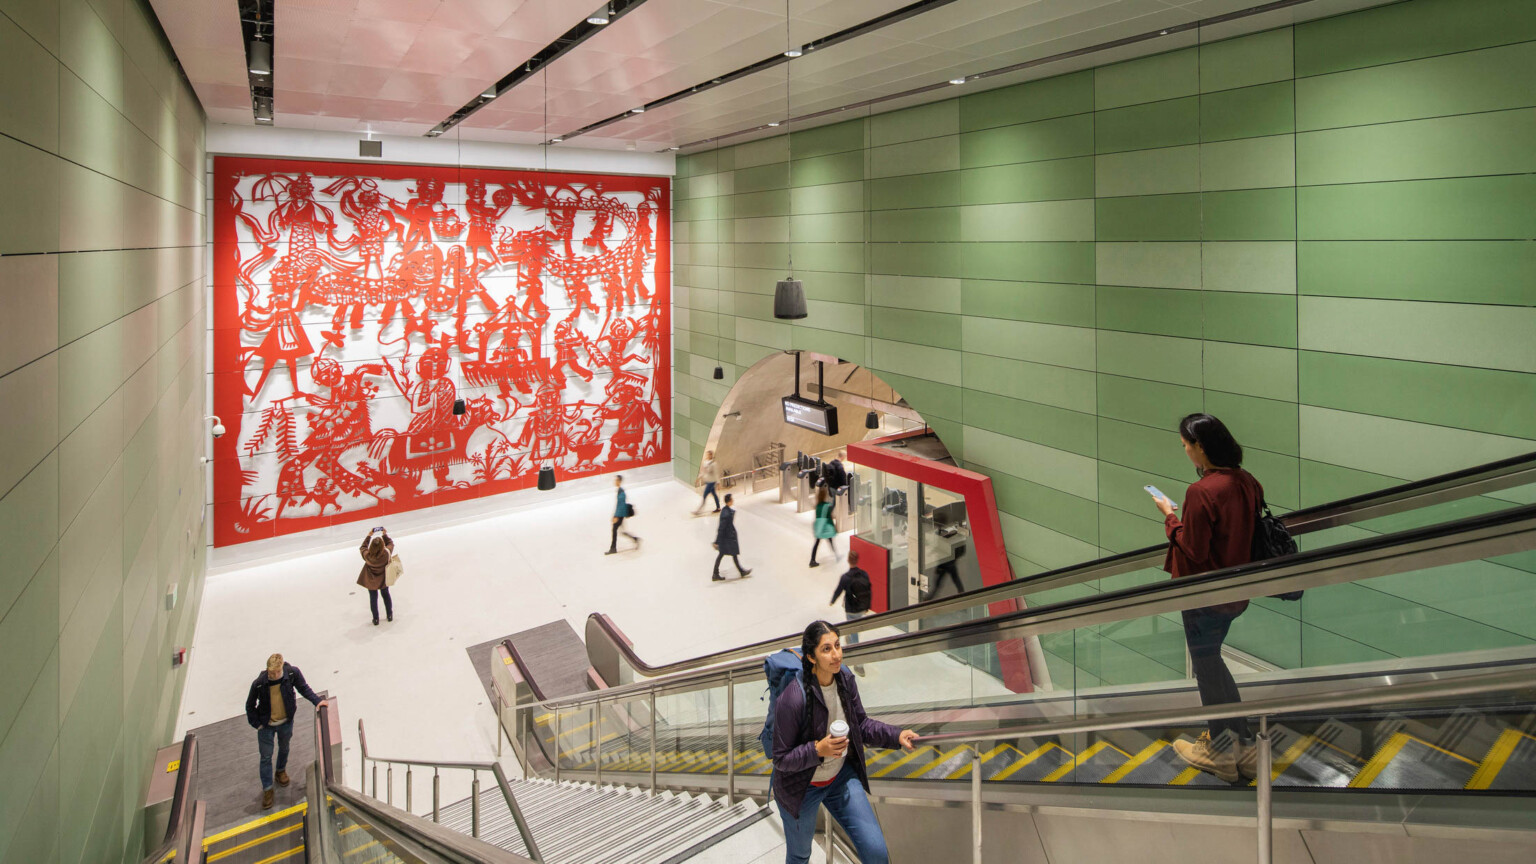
column 556, row 747
column 407, row 787
column 389, row 780
column 1265, row 793
column 436, row 796
column 474, row 805
column 653, row 743
column 975, row 804
column 730, row 738
column 597, row 740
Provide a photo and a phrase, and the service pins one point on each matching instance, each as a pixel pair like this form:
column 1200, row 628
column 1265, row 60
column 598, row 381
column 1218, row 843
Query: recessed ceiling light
column 556, row 140
column 674, row 148
column 960, row 80
column 640, row 110
column 774, row 123
column 793, row 52
column 1163, row 33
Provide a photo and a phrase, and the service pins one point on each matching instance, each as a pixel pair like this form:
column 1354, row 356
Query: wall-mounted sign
column 817, row 417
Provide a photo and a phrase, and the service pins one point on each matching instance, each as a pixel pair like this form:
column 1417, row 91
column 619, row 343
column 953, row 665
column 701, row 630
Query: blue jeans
column 264, row 736
column 845, row 800
column 709, row 491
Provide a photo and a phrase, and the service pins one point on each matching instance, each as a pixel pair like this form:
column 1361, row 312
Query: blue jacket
column 794, row 742
column 621, row 511
column 258, row 705
column 725, row 532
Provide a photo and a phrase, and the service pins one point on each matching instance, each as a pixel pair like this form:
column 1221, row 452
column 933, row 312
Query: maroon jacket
column 1217, row 529
column 794, row 744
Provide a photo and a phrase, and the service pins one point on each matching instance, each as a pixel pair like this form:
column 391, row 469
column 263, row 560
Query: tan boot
column 1248, row 761
column 282, row 778
column 1202, row 754
column 266, row 799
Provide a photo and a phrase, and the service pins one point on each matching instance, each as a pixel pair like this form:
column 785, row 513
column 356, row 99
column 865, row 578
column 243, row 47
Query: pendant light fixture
column 872, row 420
column 546, row 478
column 789, row 293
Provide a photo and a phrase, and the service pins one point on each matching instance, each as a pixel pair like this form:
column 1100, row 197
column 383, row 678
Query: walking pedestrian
column 269, row 708
column 377, row 549
column 623, row 510
column 709, row 475
column 812, row 767
column 824, row 528
column 1220, row 512
column 726, row 543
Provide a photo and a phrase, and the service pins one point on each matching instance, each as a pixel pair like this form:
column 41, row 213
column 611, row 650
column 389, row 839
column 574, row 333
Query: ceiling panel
column 403, row 65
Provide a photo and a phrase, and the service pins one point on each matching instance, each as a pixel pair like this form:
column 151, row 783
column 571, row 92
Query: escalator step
column 1158, row 764
column 947, row 766
column 1314, row 761
column 1510, row 764
column 1034, row 765
column 1092, row 765
column 1405, row 762
column 273, row 838
column 907, row 764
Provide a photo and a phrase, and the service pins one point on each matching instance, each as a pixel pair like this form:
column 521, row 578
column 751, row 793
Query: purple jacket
column 794, row 744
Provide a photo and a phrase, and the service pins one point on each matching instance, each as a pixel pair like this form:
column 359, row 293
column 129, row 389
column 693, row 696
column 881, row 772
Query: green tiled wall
column 101, row 375
column 1321, row 233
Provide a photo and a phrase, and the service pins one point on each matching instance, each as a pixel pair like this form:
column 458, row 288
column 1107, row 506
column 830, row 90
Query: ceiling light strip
column 847, row 33
column 1016, row 67
column 548, row 54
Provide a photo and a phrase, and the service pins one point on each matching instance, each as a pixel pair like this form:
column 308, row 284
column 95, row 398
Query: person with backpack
column 621, row 511
column 1221, row 511
column 814, row 767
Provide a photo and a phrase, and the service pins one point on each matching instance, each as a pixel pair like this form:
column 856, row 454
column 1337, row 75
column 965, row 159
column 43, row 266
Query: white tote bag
column 393, row 571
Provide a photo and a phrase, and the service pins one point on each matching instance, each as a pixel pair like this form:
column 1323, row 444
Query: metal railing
column 184, row 831
column 1444, row 488
column 1472, row 685
column 1489, row 535
column 437, row 766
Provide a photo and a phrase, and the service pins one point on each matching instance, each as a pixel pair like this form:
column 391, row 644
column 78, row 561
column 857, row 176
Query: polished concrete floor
column 487, row 574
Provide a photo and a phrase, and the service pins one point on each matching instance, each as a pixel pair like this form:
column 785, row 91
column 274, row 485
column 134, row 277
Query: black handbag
column 629, row 510
column 1271, row 539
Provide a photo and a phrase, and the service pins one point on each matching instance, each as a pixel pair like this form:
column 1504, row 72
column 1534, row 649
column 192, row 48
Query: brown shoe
column 282, row 778
column 266, row 799
column 1202, row 754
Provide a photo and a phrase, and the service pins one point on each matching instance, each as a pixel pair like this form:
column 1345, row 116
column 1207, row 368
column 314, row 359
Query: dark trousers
column 709, row 492
column 264, row 740
column 373, row 602
column 1205, row 630
column 734, row 560
column 948, row 570
column 817, row 545
column 617, row 530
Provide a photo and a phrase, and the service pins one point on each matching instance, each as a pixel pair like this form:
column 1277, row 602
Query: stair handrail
column 1451, row 486
column 183, row 821
column 1489, row 535
column 437, row 764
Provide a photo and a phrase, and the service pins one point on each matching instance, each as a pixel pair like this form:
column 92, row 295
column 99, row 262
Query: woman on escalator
column 814, row 765
column 1216, row 531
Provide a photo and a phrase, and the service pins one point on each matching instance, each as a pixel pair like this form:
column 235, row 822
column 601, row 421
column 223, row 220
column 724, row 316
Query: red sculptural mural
column 394, row 337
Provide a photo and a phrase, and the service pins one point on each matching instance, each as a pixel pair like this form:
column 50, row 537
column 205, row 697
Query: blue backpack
column 781, row 668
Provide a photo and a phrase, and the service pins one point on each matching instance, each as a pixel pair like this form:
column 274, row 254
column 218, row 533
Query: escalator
column 1414, row 586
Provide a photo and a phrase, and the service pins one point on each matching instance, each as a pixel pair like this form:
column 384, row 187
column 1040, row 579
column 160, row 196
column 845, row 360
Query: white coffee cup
column 839, row 729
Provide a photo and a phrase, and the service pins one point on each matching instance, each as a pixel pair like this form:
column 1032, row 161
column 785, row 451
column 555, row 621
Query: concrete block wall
column 101, row 354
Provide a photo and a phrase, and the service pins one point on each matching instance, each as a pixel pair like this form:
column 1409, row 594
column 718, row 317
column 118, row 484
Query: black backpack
column 1271, row 539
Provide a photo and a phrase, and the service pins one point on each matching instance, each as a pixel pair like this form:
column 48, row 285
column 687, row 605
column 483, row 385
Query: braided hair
column 808, row 642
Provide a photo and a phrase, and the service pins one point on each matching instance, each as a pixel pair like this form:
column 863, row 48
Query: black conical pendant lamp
column 789, row 299
column 546, row 478
column 872, row 420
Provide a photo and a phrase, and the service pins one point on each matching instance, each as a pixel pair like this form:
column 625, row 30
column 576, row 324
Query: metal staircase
column 591, row 824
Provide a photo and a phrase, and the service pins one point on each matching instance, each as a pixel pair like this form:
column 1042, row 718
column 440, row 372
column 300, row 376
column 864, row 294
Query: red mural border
column 228, row 401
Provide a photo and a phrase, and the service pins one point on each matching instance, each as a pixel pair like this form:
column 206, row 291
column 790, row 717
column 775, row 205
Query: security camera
column 218, row 426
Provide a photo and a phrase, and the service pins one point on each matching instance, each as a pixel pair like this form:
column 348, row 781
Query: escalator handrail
column 1455, row 485
column 183, row 803
column 432, row 837
column 1242, row 582
column 1485, row 684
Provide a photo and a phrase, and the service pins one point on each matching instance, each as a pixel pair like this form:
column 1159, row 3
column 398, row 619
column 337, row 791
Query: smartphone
column 1156, row 493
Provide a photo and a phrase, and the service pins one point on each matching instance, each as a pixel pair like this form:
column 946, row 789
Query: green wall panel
column 1324, row 234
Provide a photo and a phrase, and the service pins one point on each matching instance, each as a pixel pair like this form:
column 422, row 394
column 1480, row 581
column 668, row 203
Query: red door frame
column 986, row 530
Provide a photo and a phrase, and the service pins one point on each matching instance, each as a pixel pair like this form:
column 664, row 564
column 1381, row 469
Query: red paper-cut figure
column 545, row 434
column 627, row 403
column 342, row 423
column 569, row 338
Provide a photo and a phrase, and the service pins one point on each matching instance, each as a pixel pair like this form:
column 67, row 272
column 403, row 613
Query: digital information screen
column 810, row 415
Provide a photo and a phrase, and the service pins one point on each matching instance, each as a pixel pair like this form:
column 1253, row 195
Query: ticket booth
column 928, row 529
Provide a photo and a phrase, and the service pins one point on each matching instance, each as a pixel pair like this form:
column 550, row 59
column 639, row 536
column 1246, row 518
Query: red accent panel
column 986, row 530
column 876, row 561
column 355, row 303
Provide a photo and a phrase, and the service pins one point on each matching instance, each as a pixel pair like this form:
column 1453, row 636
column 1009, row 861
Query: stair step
column 1509, row 764
column 1406, row 762
column 1034, row 765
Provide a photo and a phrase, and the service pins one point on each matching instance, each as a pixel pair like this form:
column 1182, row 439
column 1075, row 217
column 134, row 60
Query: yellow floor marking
column 1033, row 755
column 1080, row 759
column 257, row 823
column 368, row 845
column 1493, row 763
column 573, row 730
column 1185, row 776
column 940, row 760
column 1367, row 775
column 1137, row 761
column 903, row 760
column 281, row 855
column 965, row 770
column 225, row 853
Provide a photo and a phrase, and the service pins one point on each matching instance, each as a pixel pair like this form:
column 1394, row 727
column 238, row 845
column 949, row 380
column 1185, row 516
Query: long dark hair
column 1214, row 438
column 808, row 642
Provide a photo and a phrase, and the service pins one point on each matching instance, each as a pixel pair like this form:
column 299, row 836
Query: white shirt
column 827, row 771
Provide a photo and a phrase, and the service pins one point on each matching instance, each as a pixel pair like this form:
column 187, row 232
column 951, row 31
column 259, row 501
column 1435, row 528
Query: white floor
column 493, row 574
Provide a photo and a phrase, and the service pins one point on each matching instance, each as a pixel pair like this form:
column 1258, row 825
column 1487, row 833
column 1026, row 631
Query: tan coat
column 372, row 574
